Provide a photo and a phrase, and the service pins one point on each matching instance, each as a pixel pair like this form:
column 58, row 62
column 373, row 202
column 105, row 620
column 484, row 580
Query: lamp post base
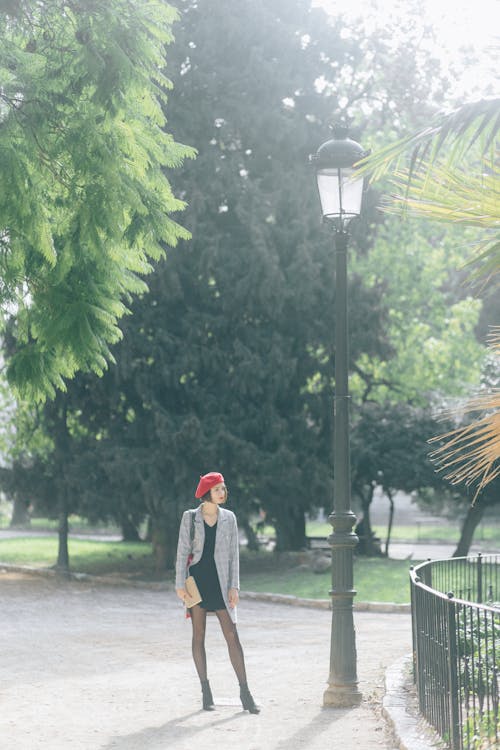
column 341, row 696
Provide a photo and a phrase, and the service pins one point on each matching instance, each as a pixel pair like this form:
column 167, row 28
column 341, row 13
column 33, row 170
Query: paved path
column 434, row 550
column 92, row 667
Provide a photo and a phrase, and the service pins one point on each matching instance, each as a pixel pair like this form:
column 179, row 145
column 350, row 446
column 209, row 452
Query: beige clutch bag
column 193, row 595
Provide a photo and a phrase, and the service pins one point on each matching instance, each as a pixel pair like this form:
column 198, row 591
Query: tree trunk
column 164, row 535
column 471, row 521
column 252, row 541
column 57, row 413
column 299, row 540
column 130, row 532
column 20, row 515
column 367, row 545
column 62, row 563
column 160, row 549
column 389, row 523
column 290, row 529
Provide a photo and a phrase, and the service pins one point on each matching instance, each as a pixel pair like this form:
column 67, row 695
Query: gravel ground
column 92, row 667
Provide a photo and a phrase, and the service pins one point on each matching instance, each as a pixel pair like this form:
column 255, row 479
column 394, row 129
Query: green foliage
column 228, row 361
column 452, row 176
column 469, row 454
column 478, row 636
column 389, row 448
column 481, row 732
column 214, row 367
column 431, row 316
column 456, row 132
column 84, row 201
column 454, row 195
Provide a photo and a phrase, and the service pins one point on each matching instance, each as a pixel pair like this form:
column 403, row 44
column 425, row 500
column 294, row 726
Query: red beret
column 207, row 481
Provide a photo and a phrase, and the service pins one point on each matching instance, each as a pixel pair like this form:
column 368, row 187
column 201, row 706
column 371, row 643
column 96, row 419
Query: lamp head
column 340, row 190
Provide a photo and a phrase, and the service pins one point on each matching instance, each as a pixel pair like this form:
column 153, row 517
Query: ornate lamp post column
column 341, row 195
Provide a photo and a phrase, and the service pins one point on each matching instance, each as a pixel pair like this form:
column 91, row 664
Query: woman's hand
column 234, row 597
column 181, row 593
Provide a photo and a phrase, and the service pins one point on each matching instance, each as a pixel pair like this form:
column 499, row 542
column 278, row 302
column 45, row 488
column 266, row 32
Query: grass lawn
column 94, row 557
column 375, row 579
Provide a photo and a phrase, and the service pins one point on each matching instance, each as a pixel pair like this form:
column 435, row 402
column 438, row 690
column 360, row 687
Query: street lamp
column 341, row 192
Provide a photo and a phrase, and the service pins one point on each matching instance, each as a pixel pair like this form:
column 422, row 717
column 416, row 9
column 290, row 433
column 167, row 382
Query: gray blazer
column 226, row 554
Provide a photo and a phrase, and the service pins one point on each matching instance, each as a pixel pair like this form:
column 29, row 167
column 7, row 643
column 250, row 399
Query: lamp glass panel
column 346, row 200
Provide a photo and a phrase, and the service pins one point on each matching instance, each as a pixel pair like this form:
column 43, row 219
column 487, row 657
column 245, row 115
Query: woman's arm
column 183, row 550
column 234, row 558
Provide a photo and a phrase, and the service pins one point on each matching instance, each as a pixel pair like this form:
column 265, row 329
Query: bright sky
column 474, row 23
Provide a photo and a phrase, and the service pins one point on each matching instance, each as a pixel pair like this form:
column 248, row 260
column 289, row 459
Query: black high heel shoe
column 247, row 701
column 208, row 701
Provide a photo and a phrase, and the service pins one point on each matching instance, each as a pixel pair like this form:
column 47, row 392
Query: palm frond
column 494, row 339
column 449, row 194
column 456, row 196
column 475, row 123
column 471, row 454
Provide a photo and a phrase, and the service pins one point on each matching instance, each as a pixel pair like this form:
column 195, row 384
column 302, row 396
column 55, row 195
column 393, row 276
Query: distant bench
column 318, row 542
column 322, row 543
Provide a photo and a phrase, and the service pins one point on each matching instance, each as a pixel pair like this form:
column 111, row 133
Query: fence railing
column 455, row 606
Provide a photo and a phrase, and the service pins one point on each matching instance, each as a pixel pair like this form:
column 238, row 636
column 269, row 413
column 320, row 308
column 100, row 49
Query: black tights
column 199, row 620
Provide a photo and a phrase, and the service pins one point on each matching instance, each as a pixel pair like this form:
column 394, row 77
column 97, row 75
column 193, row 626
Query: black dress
column 205, row 573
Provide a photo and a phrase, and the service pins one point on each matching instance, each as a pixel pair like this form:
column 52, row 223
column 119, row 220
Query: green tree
column 215, row 367
column 431, row 316
column 390, row 451
column 453, row 178
column 262, row 269
column 433, row 354
column 85, row 203
column 228, row 361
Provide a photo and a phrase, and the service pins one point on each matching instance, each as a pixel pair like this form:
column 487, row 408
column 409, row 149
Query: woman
column 208, row 550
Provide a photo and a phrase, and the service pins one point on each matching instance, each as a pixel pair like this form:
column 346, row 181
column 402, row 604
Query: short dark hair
column 207, row 497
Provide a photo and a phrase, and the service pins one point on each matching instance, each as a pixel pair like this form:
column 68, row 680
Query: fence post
column 419, row 614
column 427, row 571
column 413, row 609
column 479, row 578
column 453, row 683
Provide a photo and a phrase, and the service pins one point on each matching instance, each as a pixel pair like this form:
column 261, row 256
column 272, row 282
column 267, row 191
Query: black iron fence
column 455, row 607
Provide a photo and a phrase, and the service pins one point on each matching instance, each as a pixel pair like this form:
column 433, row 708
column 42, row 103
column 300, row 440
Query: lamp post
column 341, row 194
